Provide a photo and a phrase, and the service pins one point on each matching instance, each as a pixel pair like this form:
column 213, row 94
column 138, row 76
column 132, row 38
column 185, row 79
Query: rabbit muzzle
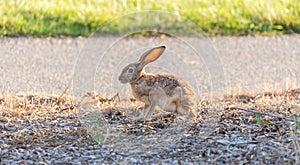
column 123, row 79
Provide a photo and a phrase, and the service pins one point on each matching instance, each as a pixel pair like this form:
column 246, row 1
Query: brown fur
column 166, row 91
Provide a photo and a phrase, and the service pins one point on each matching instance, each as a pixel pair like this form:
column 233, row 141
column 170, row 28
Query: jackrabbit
column 166, row 91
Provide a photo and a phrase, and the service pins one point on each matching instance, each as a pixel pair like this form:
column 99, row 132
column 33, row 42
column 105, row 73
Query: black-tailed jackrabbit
column 166, row 91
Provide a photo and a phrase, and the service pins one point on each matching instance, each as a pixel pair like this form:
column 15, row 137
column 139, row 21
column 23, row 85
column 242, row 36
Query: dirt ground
column 45, row 129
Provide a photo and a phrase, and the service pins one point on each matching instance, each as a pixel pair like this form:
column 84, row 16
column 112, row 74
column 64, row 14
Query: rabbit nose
column 121, row 79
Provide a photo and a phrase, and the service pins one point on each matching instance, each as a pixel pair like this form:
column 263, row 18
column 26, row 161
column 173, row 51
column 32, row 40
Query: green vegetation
column 83, row 17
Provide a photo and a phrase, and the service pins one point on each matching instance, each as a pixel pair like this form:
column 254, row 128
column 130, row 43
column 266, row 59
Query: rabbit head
column 133, row 71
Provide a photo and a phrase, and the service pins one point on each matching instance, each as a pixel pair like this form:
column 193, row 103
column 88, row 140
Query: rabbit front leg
column 155, row 95
column 148, row 110
column 142, row 112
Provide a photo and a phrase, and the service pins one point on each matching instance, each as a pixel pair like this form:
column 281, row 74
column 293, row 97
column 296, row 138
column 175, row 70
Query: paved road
column 236, row 64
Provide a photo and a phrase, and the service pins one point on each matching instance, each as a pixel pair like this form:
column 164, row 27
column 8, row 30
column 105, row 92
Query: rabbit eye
column 130, row 70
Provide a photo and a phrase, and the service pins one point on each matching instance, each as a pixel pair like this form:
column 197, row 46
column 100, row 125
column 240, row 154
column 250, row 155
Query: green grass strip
column 84, row 17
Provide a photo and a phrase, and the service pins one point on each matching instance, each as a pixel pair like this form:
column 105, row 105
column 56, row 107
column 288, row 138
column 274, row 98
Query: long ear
column 150, row 56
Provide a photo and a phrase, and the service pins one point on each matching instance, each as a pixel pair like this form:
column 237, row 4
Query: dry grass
column 277, row 113
column 53, row 129
column 284, row 103
column 37, row 120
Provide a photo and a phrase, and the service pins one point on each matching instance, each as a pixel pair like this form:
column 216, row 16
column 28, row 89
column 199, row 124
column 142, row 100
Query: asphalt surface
column 210, row 65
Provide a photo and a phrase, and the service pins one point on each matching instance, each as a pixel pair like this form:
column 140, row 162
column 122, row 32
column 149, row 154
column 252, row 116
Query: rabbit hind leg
column 157, row 96
column 180, row 102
